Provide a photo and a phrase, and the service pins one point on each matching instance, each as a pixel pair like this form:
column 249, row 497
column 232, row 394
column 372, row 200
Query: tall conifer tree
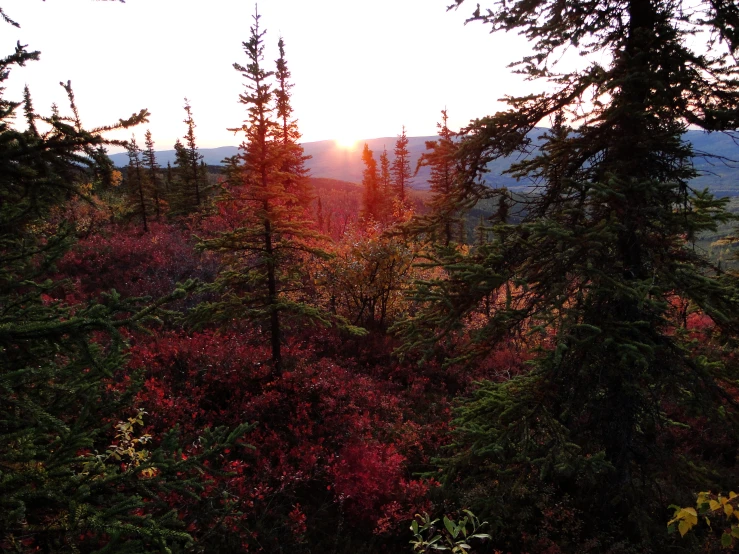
column 401, row 167
column 385, row 175
column 386, row 186
column 597, row 262
column 191, row 182
column 371, row 194
column 168, row 178
column 444, row 183
column 138, row 194
column 297, row 183
column 264, row 277
column 152, row 174
column 194, row 157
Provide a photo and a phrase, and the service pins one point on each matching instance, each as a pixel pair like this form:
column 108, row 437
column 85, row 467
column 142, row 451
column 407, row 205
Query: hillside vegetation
column 263, row 351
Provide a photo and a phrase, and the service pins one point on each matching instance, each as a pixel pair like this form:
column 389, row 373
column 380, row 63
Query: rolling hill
column 720, row 175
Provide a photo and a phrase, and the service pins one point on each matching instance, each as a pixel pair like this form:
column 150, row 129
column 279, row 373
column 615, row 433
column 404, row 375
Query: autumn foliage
column 245, row 359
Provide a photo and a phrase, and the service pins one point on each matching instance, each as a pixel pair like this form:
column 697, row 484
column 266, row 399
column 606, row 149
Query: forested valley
column 248, row 358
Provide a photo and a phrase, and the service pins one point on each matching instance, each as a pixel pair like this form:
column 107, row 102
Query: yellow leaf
column 728, row 509
column 732, row 495
column 683, row 527
column 689, row 515
column 714, row 505
column 116, row 178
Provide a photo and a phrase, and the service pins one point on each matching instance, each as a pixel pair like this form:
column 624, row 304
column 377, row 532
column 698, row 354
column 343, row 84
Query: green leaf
column 429, row 524
column 449, row 526
column 414, row 527
column 726, row 540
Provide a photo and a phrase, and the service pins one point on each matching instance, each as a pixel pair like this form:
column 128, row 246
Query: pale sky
column 361, row 69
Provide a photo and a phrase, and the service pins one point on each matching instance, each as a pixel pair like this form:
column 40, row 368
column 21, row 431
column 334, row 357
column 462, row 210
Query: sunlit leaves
column 709, row 508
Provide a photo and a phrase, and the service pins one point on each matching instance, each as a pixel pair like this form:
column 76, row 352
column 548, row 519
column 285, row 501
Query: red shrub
column 326, row 437
column 133, row 263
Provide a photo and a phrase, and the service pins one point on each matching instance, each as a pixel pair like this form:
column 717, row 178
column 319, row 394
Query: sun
column 347, row 142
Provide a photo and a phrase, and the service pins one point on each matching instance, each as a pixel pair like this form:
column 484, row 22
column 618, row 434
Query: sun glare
column 346, row 142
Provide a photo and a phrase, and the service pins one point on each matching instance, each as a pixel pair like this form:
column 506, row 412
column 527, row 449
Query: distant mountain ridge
column 335, row 162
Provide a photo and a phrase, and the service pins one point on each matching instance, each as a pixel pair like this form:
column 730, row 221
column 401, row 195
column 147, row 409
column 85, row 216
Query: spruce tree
column 190, row 185
column 596, row 265
column 138, row 193
column 149, row 161
column 371, row 194
column 264, row 277
column 401, row 168
column 168, row 177
column 386, row 186
column 444, row 184
column 194, row 157
column 61, row 487
column 297, row 183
